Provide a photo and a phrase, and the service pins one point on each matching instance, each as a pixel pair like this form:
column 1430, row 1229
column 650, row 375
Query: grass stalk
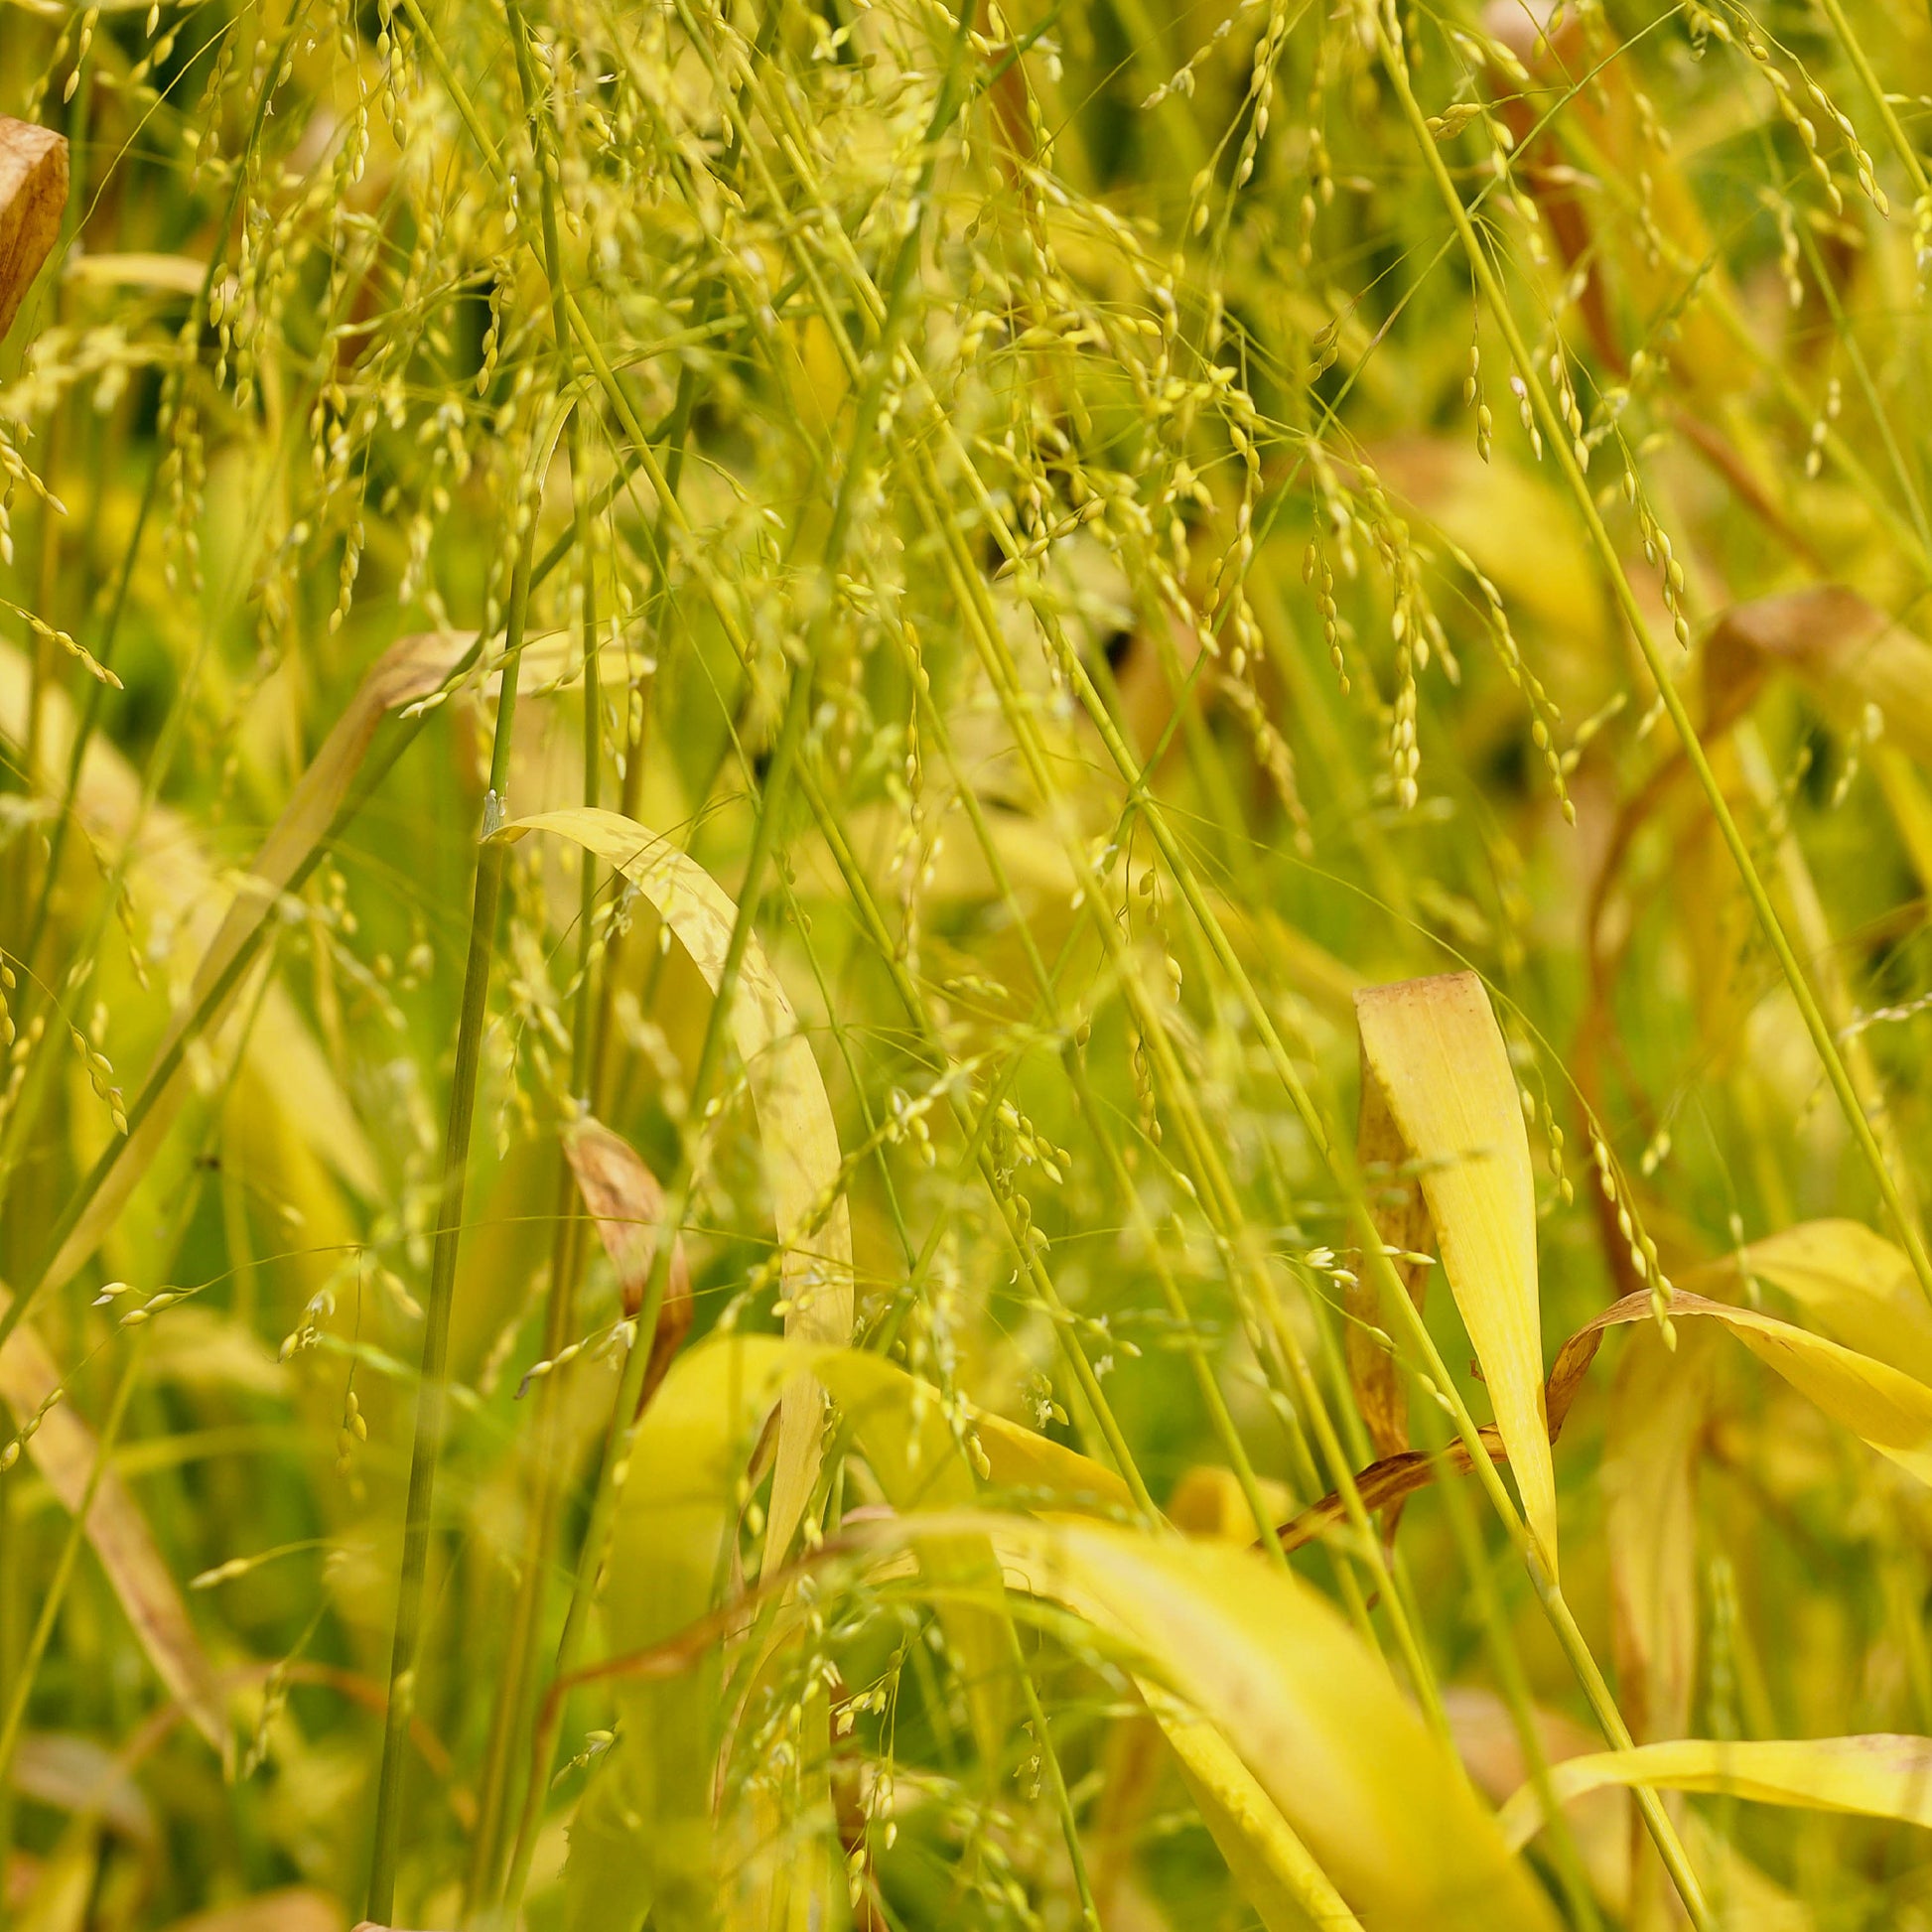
column 432, row 1399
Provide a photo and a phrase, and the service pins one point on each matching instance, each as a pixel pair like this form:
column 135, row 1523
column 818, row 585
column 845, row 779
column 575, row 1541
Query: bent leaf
column 63, row 1450
column 1435, row 1050
column 1858, row 1286
column 795, row 1126
column 1878, row 1776
column 1881, row 1405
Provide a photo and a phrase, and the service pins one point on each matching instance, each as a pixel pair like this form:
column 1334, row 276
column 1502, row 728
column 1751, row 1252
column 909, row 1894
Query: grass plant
column 964, row 967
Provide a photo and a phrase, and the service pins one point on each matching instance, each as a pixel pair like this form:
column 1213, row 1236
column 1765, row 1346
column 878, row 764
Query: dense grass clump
column 964, row 968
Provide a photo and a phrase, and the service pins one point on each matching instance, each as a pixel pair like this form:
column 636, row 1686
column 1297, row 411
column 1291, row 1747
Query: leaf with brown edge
column 1394, row 1478
column 1401, row 1218
column 626, row 1202
column 63, row 1450
column 1434, row 1048
column 33, row 199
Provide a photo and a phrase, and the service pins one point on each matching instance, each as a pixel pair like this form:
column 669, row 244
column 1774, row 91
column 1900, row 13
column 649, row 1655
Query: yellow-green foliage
column 964, row 970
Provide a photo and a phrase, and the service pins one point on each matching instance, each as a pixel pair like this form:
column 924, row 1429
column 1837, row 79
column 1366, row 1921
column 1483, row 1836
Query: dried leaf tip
column 32, row 196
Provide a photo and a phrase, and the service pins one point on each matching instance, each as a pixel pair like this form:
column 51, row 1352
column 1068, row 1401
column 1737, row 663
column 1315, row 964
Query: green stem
column 622, row 1437
column 507, row 1713
column 432, row 1401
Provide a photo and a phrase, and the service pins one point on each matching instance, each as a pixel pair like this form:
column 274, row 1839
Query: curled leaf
column 625, row 1200
column 33, row 197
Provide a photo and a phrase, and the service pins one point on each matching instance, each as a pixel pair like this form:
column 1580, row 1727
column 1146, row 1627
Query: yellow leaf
column 1856, row 1284
column 1435, row 1050
column 1881, row 1405
column 1273, row 1869
column 800, row 1139
column 1310, row 1713
column 1878, row 1776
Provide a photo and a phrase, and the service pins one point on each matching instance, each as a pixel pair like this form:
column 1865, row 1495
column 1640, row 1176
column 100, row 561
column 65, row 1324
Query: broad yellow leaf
column 1377, row 1799
column 800, row 1139
column 1855, row 1283
column 1883, row 1405
column 1435, row 1050
column 667, row 1557
column 1878, row 1776
column 1273, row 1869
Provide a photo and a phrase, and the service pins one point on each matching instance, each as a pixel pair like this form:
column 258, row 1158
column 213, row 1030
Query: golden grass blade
column 1434, row 1049
column 799, row 1136
column 1273, row 1869
column 63, row 1449
column 1855, row 1283
column 1308, row 1710
column 1883, row 1406
column 1878, row 1776
column 626, row 1203
column 33, row 199
column 409, row 670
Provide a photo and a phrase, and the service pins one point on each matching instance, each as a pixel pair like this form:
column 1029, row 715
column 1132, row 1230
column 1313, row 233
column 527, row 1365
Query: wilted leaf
column 63, row 1450
column 1435, row 1049
column 1846, row 654
column 1883, row 1405
column 33, row 199
column 626, row 1203
column 799, row 1136
column 1855, row 1283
